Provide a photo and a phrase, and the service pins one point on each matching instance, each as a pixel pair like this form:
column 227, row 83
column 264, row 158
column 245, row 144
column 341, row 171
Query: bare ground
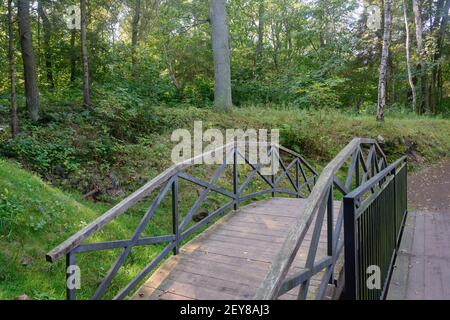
column 429, row 189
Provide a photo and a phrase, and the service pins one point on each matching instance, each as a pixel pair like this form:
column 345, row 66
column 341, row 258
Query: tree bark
column 384, row 59
column 29, row 62
column 47, row 47
column 440, row 48
column 221, row 53
column 259, row 44
column 84, row 53
column 408, row 58
column 440, row 23
column 424, row 105
column 73, row 56
column 134, row 35
column 12, row 73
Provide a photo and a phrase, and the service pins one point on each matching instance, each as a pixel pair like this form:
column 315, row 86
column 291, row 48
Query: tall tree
column 440, row 47
column 134, row 34
column 12, row 72
column 424, row 105
column 47, row 26
column 384, row 59
column 73, row 56
column 408, row 57
column 84, row 53
column 221, row 53
column 440, row 24
column 29, row 61
column 259, row 44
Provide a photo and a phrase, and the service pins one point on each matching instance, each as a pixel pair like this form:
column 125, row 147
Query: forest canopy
column 308, row 54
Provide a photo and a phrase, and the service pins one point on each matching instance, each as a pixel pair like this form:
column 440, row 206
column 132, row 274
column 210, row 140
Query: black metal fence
column 358, row 162
column 374, row 215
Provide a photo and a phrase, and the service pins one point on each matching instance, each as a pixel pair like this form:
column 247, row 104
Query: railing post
column 394, row 172
column 330, row 228
column 350, row 248
column 272, row 169
column 70, row 276
column 175, row 216
column 236, row 174
column 297, row 180
column 357, row 171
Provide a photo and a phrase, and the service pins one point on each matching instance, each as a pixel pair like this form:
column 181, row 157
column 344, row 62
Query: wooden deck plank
column 232, row 257
column 422, row 268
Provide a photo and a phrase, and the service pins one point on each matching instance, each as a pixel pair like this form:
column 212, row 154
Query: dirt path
column 429, row 189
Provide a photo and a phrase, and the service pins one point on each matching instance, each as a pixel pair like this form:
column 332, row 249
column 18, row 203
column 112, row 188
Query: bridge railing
column 300, row 177
column 374, row 216
column 360, row 160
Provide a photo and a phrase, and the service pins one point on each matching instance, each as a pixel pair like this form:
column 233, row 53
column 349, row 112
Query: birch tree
column 382, row 83
column 408, row 57
column 424, row 105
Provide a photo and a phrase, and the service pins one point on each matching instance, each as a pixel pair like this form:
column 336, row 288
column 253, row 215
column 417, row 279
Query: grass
column 35, row 217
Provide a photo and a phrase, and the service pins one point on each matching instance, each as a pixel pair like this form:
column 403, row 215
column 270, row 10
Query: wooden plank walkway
column 422, row 269
column 232, row 257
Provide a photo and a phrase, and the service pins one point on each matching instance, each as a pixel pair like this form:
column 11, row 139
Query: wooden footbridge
column 286, row 232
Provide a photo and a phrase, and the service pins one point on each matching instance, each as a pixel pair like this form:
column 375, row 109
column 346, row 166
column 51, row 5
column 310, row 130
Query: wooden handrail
column 280, row 266
column 76, row 239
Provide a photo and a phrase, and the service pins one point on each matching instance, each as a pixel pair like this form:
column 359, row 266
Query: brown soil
column 429, row 189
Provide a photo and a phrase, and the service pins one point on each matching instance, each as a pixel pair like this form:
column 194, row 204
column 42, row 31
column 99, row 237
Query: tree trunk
column 408, row 58
column 73, row 57
column 221, row 53
column 384, row 59
column 134, row 36
column 259, row 44
column 424, row 105
column 440, row 48
column 47, row 48
column 440, row 25
column 12, row 73
column 172, row 75
column 84, row 52
column 29, row 62
column 438, row 19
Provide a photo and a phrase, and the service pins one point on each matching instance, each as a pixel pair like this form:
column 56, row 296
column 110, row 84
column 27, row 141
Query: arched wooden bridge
column 283, row 235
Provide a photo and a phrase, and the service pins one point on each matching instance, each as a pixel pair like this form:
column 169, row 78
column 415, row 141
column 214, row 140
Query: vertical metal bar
column 70, row 274
column 297, row 183
column 175, row 216
column 331, row 239
column 372, row 160
column 357, row 173
column 394, row 182
column 235, row 175
column 273, row 169
column 350, row 249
